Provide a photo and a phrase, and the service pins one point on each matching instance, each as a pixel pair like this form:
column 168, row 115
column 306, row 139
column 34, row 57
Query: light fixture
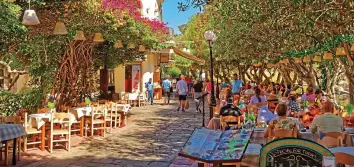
column 298, row 60
column 60, row 29
column 340, row 51
column 317, row 58
column 328, row 56
column 307, row 59
column 210, row 36
column 30, row 18
column 98, row 37
column 118, row 44
column 141, row 48
column 131, row 46
column 80, row 36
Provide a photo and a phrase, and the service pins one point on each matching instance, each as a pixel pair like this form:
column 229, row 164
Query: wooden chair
column 5, row 144
column 281, row 133
column 109, row 115
column 330, row 142
column 30, row 131
column 97, row 118
column 116, row 118
column 43, row 110
column 344, row 158
column 64, row 119
column 231, row 120
column 141, row 99
column 83, row 104
column 347, row 141
column 76, row 124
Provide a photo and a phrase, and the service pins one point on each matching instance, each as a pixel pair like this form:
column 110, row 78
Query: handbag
column 186, row 104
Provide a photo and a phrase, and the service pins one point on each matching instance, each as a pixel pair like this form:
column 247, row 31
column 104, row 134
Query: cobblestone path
column 154, row 136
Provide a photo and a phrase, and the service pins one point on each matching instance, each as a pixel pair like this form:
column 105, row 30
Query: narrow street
column 154, row 136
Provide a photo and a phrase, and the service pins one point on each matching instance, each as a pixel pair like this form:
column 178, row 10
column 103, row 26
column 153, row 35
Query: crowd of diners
column 276, row 103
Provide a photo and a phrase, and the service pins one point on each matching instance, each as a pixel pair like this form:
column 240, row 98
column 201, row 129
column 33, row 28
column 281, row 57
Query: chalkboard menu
column 216, row 146
column 290, row 152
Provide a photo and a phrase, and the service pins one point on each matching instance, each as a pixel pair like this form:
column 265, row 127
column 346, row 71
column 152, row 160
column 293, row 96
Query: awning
column 187, row 55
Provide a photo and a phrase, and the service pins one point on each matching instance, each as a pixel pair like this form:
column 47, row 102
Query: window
column 110, row 77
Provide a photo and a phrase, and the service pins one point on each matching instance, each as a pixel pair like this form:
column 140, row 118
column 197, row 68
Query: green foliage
column 29, row 100
column 173, row 71
column 11, row 29
column 349, row 108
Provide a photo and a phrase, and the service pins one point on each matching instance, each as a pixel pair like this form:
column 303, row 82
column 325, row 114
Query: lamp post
column 211, row 37
column 217, row 80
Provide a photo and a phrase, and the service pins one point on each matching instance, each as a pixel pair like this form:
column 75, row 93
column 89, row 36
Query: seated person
column 230, row 109
column 281, row 122
column 293, row 105
column 267, row 113
column 327, row 122
column 257, row 99
column 230, row 114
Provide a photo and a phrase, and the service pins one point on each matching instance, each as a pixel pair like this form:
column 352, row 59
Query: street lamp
column 211, row 37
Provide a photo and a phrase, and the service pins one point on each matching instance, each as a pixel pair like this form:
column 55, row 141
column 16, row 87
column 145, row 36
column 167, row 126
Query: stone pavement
column 153, row 137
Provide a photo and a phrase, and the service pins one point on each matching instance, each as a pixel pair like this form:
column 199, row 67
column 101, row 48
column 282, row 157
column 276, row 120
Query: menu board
column 214, row 145
column 293, row 152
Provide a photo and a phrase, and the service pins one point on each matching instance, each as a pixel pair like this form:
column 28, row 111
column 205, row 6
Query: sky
column 173, row 17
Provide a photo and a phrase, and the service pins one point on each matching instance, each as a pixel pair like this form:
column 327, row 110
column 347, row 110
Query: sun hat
column 292, row 93
column 272, row 98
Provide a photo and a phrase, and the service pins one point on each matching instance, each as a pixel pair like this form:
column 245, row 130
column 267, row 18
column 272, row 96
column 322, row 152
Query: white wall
column 147, row 69
column 148, row 9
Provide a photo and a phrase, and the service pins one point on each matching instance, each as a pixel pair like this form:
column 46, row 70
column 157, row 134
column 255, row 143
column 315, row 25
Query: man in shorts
column 166, row 85
column 182, row 91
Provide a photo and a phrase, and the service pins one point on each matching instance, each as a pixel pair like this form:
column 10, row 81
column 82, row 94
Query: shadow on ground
column 153, row 137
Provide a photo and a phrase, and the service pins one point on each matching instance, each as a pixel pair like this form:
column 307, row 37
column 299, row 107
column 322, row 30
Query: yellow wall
column 147, row 71
column 119, row 79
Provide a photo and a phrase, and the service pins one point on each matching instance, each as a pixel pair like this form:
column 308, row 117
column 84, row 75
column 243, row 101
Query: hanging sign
column 164, row 58
column 291, row 152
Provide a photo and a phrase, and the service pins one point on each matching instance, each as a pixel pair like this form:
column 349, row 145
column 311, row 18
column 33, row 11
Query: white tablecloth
column 133, row 96
column 124, row 107
column 38, row 120
column 83, row 111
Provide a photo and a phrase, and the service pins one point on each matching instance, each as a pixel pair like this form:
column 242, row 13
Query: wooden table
column 9, row 132
column 39, row 120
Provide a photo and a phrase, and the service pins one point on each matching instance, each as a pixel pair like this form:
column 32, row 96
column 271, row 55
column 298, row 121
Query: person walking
column 150, row 88
column 236, row 85
column 166, row 85
column 197, row 92
column 182, row 91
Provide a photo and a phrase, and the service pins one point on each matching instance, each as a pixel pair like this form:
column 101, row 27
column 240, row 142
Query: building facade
column 132, row 77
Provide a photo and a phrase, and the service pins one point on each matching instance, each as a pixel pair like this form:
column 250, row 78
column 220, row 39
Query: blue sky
column 175, row 18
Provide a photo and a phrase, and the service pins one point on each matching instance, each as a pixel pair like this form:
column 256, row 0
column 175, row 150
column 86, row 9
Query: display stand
column 217, row 147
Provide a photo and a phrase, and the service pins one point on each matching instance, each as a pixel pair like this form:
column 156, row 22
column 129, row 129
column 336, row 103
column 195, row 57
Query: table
column 123, row 110
column 258, row 136
column 81, row 112
column 12, row 131
column 38, row 120
column 348, row 150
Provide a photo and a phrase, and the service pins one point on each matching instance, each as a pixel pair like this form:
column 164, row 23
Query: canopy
column 187, row 55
